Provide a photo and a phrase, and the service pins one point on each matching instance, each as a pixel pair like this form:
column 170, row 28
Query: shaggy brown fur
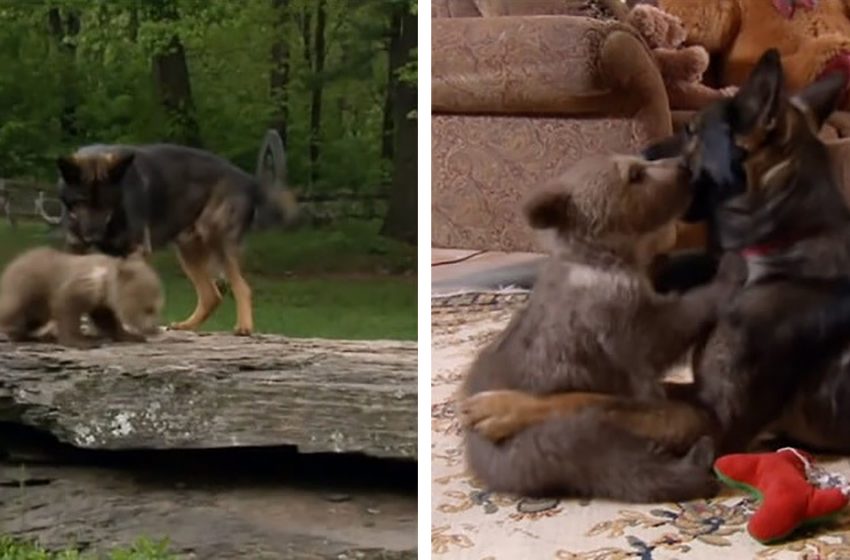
column 594, row 324
column 45, row 290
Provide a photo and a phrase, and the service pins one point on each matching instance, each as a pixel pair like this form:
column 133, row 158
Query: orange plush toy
column 812, row 36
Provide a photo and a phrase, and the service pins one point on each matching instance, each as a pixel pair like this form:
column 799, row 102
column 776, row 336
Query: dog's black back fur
column 161, row 187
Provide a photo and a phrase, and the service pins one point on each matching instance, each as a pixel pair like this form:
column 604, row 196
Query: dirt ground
column 242, row 503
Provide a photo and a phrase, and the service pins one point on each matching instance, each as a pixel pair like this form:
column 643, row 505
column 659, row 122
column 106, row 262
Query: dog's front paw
column 497, row 428
column 494, row 414
column 239, row 330
column 182, row 326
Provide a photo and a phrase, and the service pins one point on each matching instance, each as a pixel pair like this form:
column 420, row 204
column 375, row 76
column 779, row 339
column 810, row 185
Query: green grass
column 142, row 549
column 340, row 282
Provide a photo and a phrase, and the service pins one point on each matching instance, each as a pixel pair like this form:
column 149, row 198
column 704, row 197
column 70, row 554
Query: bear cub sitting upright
column 569, row 398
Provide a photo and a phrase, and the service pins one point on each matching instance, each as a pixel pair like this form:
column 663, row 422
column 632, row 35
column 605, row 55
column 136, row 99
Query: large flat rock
column 187, row 390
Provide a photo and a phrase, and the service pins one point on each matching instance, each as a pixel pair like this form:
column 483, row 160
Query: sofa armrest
column 558, row 65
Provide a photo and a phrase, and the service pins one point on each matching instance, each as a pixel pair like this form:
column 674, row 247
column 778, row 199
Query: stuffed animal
column 682, row 67
column 792, row 491
column 813, row 36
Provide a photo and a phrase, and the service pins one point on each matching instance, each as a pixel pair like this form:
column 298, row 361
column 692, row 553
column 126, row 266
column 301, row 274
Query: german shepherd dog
column 120, row 198
column 779, row 358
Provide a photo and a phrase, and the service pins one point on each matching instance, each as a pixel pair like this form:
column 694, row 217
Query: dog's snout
column 667, row 163
column 679, row 164
column 90, row 235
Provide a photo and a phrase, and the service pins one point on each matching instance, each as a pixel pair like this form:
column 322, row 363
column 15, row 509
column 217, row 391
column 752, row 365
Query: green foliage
column 409, row 71
column 103, row 73
column 142, row 549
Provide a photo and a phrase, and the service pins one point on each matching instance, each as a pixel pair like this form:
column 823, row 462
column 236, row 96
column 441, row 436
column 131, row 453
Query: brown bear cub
column 45, row 290
column 597, row 339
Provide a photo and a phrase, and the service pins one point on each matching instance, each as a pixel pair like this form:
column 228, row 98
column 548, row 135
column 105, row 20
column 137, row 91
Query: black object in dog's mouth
column 716, row 168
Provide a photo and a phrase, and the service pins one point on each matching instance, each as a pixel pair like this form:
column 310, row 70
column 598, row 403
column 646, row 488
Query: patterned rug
column 470, row 522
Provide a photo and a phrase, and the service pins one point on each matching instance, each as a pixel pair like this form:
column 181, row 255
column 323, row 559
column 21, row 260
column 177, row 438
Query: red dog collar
column 769, row 247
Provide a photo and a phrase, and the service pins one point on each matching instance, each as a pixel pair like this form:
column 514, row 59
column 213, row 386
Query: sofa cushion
column 483, row 166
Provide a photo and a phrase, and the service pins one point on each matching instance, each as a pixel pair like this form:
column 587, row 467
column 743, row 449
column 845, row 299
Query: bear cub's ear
column 548, row 209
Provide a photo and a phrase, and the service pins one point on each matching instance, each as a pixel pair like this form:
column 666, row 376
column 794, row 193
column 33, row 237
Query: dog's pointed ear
column 822, row 97
column 548, row 209
column 119, row 165
column 756, row 104
column 69, row 170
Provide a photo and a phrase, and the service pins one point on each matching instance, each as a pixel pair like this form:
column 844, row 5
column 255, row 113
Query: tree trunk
column 307, row 36
column 395, row 59
column 279, row 78
column 401, row 219
column 172, row 82
column 317, row 90
column 133, row 25
column 60, row 29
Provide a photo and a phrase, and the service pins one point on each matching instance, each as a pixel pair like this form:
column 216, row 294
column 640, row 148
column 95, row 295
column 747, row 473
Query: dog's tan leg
column 194, row 259
column 241, row 293
column 502, row 413
column 675, row 426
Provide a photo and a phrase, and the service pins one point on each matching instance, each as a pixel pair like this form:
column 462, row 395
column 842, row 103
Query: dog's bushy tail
column 277, row 203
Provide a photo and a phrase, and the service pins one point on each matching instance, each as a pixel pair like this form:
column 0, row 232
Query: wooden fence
column 32, row 200
column 22, row 199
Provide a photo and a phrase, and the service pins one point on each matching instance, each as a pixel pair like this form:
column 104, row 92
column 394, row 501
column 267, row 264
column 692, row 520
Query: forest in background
column 336, row 79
